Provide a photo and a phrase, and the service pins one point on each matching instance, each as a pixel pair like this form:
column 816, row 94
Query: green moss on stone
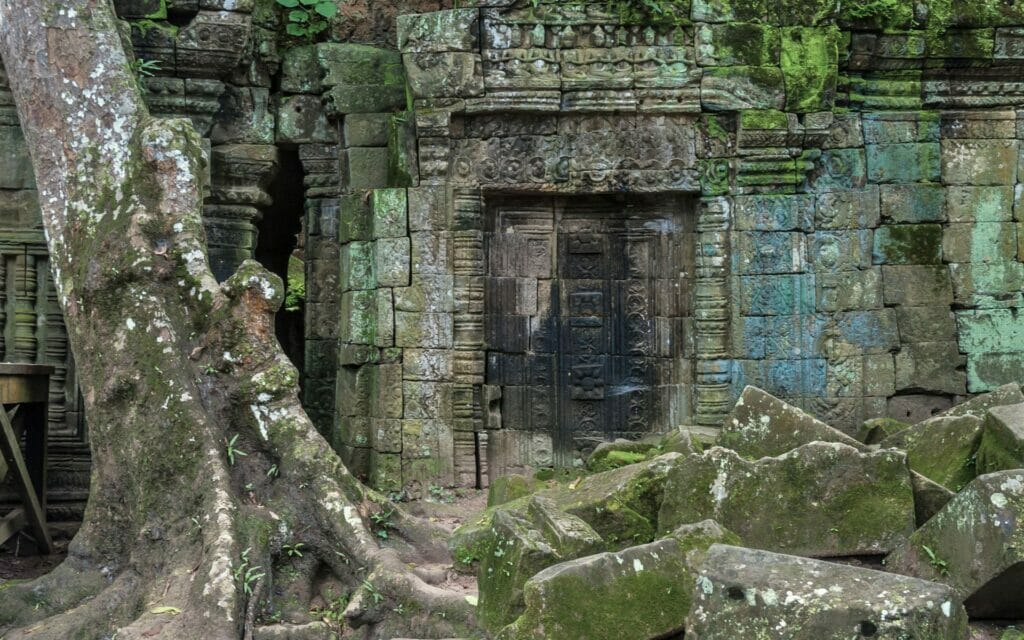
column 810, row 65
column 760, row 119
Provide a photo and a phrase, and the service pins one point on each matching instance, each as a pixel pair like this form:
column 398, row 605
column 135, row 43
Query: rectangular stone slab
column 744, row 593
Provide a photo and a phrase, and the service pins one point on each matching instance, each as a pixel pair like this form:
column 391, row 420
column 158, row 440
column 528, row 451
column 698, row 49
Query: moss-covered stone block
column 511, row 487
column 878, row 14
column 612, row 455
column 359, row 65
column 742, row 87
column 390, row 213
column 929, row 497
column 367, row 98
column 746, row 593
column 359, row 317
column 974, row 546
column 521, row 544
column 904, row 162
column 908, row 244
column 621, row 505
column 729, row 11
column 941, row 449
column 876, row 430
column 737, row 44
column 820, row 500
column 1002, row 442
column 810, row 66
column 761, row 425
column 807, row 13
column 640, row 592
column 961, row 44
column 365, row 168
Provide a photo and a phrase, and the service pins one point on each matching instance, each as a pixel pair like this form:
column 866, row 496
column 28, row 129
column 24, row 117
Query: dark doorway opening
column 588, row 317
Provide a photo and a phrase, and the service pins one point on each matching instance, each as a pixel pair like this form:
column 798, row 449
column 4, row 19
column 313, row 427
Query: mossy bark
column 176, row 371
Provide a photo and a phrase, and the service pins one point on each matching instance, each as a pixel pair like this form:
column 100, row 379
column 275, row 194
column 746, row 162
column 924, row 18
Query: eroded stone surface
column 639, row 592
column 942, row 449
column 821, row 499
column 1002, row 443
column 976, row 545
column 762, row 425
column 745, row 593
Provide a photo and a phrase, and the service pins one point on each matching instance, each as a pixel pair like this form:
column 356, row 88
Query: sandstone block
column 761, row 425
column 819, row 500
column 975, row 546
column 745, row 593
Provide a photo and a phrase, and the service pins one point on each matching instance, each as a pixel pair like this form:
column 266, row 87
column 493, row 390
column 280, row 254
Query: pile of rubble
column 785, row 528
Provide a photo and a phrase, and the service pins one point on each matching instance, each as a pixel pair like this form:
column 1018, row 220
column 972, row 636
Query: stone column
column 240, row 174
column 712, row 310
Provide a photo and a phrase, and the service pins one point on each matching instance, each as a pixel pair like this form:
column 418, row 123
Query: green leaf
column 326, row 9
column 171, row 610
column 309, row 3
column 288, row 3
column 317, row 26
column 299, row 15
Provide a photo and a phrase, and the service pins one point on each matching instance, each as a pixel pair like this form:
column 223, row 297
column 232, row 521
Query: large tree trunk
column 181, row 376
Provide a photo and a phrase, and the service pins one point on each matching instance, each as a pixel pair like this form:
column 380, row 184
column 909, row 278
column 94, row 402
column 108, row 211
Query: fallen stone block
column 976, row 545
column 875, row 430
column 819, row 500
column 746, row 593
column 621, row 505
column 1002, row 441
column 681, row 440
column 519, row 548
column 941, row 448
column 761, row 425
column 929, row 497
column 508, row 488
column 639, row 592
column 621, row 452
column 978, row 406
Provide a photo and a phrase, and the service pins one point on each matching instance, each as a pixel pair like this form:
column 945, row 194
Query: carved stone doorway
column 587, row 303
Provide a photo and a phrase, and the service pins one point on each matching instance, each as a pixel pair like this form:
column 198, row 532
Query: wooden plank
column 21, row 388
column 12, row 523
column 23, row 483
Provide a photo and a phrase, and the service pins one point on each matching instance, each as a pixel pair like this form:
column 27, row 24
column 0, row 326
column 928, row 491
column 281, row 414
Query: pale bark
column 172, row 366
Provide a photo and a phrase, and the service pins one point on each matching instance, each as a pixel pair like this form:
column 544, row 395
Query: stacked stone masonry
column 840, row 194
column 531, row 227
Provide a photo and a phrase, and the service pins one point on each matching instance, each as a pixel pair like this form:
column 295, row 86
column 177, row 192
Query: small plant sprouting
column 247, row 576
column 307, row 18
column 382, row 522
column 145, row 68
column 293, row 550
column 233, row 451
column 272, row 472
column 941, row 565
column 377, row 596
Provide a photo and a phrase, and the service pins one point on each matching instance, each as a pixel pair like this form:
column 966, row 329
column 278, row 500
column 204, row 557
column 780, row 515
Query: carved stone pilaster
column 240, row 174
column 711, row 310
column 24, row 343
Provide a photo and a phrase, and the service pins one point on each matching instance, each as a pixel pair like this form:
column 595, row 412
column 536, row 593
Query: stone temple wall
column 850, row 184
column 532, row 227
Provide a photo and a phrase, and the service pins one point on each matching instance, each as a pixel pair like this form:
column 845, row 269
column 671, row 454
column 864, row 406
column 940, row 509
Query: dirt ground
column 20, row 560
